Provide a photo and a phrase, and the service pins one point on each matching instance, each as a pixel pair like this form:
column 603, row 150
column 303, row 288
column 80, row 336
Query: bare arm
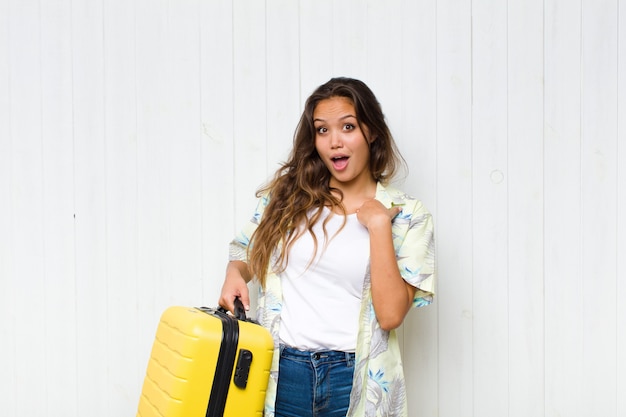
column 392, row 296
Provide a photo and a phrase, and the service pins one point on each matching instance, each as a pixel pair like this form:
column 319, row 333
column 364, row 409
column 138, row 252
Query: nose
column 335, row 140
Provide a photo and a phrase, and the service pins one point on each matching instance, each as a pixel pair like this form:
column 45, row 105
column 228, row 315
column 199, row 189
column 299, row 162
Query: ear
column 370, row 139
column 366, row 133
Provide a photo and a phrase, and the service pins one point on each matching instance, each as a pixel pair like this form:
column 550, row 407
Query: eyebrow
column 341, row 118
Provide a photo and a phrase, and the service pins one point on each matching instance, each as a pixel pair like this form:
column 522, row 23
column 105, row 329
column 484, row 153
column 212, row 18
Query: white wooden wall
column 133, row 134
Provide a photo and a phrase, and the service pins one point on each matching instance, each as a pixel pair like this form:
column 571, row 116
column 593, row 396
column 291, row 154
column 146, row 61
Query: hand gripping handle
column 240, row 311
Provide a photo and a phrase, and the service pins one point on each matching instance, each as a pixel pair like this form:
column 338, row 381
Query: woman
column 340, row 258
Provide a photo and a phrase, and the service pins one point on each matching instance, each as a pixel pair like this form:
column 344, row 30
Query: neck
column 354, row 195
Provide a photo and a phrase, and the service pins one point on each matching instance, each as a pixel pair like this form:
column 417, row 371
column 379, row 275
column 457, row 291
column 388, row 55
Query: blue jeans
column 313, row 384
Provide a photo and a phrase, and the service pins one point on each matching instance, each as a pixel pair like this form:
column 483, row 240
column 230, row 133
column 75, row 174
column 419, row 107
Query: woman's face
column 341, row 144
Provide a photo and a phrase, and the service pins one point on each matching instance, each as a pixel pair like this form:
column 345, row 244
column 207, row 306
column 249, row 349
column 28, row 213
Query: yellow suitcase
column 206, row 363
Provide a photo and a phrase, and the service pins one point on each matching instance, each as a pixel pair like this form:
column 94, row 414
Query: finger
column 395, row 211
column 244, row 296
column 223, row 302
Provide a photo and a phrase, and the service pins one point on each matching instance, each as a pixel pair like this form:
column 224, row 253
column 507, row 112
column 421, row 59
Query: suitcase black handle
column 240, row 311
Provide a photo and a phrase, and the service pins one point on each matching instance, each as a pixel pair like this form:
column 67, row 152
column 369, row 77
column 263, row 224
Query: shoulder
column 391, row 196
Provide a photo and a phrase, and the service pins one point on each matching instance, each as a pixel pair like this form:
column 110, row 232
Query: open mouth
column 339, row 162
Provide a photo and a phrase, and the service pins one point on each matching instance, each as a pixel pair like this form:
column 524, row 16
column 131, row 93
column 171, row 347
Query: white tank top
column 322, row 299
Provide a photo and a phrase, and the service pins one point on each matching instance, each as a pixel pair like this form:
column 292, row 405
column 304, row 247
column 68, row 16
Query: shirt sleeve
column 416, row 253
column 238, row 247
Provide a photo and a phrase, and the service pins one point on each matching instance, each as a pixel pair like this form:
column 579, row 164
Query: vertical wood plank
column 599, row 205
column 454, row 208
column 416, row 135
column 417, row 127
column 490, row 206
column 152, row 223
column 27, row 229
column 349, row 38
column 218, row 157
column 620, row 294
column 58, row 199
column 316, row 45
column 182, row 137
column 283, row 72
column 562, row 213
column 250, row 93
column 92, row 358
column 383, row 67
column 8, row 387
column 120, row 143
column 525, row 213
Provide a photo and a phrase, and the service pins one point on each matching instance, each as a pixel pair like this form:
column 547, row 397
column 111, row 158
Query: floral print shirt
column 378, row 388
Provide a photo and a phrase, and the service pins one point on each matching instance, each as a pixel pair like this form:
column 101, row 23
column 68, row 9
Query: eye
column 348, row 126
column 321, row 130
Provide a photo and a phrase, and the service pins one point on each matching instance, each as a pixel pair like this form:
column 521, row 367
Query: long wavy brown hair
column 300, row 187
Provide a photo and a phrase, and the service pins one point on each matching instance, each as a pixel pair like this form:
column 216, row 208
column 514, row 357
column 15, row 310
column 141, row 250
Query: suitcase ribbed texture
column 181, row 379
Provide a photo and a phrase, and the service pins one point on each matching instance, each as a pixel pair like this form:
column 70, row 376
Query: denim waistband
column 321, row 356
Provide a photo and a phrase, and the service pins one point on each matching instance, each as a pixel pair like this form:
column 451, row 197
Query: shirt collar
column 383, row 195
